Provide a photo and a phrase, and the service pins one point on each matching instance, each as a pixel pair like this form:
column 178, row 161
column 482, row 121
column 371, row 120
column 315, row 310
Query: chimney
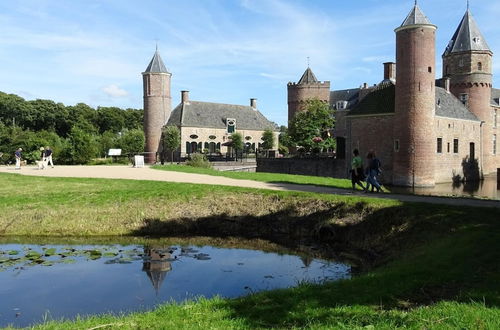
column 446, row 84
column 184, row 96
column 253, row 103
column 365, row 85
column 390, row 71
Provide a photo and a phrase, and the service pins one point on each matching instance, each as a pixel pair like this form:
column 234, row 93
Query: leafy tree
column 309, row 129
column 110, row 119
column 237, row 143
column 132, row 141
column 268, row 139
column 108, row 140
column 171, row 140
column 80, row 147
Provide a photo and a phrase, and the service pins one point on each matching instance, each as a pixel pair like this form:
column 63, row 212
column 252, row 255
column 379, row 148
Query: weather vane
column 307, row 61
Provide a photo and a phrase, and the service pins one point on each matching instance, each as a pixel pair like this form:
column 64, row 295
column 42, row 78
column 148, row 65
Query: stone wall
column 325, row 167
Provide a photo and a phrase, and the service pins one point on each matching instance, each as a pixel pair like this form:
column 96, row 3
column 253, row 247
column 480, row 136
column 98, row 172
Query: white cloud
column 114, row 91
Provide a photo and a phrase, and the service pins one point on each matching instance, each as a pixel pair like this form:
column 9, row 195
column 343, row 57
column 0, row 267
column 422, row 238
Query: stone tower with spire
column 467, row 62
column 157, row 104
column 414, row 133
column 307, row 88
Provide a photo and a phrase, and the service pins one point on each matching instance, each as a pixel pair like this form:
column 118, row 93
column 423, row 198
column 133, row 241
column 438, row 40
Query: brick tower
column 157, row 104
column 414, row 135
column 307, row 88
column 467, row 61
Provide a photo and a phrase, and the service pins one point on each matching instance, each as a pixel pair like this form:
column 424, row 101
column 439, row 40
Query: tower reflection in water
column 157, row 263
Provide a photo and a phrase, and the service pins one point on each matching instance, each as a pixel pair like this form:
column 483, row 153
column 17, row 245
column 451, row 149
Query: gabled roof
column 467, row 37
column 156, row 65
column 416, row 17
column 380, row 101
column 308, row 77
column 349, row 95
column 214, row 115
column 447, row 105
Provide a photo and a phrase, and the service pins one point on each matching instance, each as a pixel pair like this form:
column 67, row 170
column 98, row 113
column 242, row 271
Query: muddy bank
column 364, row 234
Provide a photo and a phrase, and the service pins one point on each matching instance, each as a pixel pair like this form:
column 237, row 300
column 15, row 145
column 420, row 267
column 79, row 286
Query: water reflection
column 57, row 281
column 487, row 188
column 156, row 265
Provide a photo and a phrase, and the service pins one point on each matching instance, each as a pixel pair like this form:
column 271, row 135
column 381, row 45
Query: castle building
column 204, row 126
column 424, row 131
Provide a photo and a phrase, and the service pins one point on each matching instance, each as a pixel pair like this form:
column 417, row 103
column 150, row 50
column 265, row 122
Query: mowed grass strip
column 262, row 177
column 31, row 206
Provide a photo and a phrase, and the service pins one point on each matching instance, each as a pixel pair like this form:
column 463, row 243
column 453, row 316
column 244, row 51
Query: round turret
column 467, row 61
column 414, row 135
column 157, row 104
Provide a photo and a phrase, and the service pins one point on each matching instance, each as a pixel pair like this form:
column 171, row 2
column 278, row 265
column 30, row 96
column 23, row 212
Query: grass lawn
column 263, row 177
column 439, row 265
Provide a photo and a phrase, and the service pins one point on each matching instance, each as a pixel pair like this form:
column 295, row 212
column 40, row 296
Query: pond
column 54, row 281
column 487, row 188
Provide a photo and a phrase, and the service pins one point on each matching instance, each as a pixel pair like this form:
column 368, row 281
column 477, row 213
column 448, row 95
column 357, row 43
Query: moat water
column 54, row 281
column 487, row 188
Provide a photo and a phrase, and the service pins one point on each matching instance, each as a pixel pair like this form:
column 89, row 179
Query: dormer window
column 341, row 105
column 231, row 125
column 464, row 98
column 476, row 40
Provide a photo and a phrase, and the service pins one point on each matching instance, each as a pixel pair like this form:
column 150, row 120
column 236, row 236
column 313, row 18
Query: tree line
column 77, row 134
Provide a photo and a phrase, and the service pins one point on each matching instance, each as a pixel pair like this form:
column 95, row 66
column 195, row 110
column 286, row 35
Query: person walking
column 372, row 171
column 357, row 170
column 18, row 155
column 48, row 156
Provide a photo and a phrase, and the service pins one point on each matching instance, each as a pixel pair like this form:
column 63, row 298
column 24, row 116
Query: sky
column 224, row 51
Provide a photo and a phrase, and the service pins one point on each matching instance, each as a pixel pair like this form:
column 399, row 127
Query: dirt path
column 146, row 173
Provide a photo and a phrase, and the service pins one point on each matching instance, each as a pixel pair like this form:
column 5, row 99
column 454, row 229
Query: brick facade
column 157, row 107
column 299, row 94
column 414, row 162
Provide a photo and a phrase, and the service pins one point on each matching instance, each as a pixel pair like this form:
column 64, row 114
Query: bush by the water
column 199, row 160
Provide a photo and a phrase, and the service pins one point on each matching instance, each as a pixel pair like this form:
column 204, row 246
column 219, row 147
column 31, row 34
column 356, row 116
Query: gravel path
column 146, row 173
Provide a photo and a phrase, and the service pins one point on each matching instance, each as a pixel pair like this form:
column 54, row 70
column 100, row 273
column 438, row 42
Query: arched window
column 207, row 145
column 188, row 148
column 194, row 147
column 479, row 66
column 211, row 147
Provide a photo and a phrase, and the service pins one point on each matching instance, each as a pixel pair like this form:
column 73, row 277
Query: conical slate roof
column 156, row 65
column 467, row 37
column 308, row 77
column 416, row 17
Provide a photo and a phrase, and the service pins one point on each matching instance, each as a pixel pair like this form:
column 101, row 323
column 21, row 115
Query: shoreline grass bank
column 434, row 266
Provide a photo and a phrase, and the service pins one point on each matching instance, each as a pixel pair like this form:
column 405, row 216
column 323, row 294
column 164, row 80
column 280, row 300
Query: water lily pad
column 49, row 252
column 33, row 255
column 68, row 261
column 13, row 252
column 110, row 254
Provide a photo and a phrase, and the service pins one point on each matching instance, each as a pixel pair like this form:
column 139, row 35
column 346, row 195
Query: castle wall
column 157, row 108
column 457, row 165
column 299, row 94
column 372, row 133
